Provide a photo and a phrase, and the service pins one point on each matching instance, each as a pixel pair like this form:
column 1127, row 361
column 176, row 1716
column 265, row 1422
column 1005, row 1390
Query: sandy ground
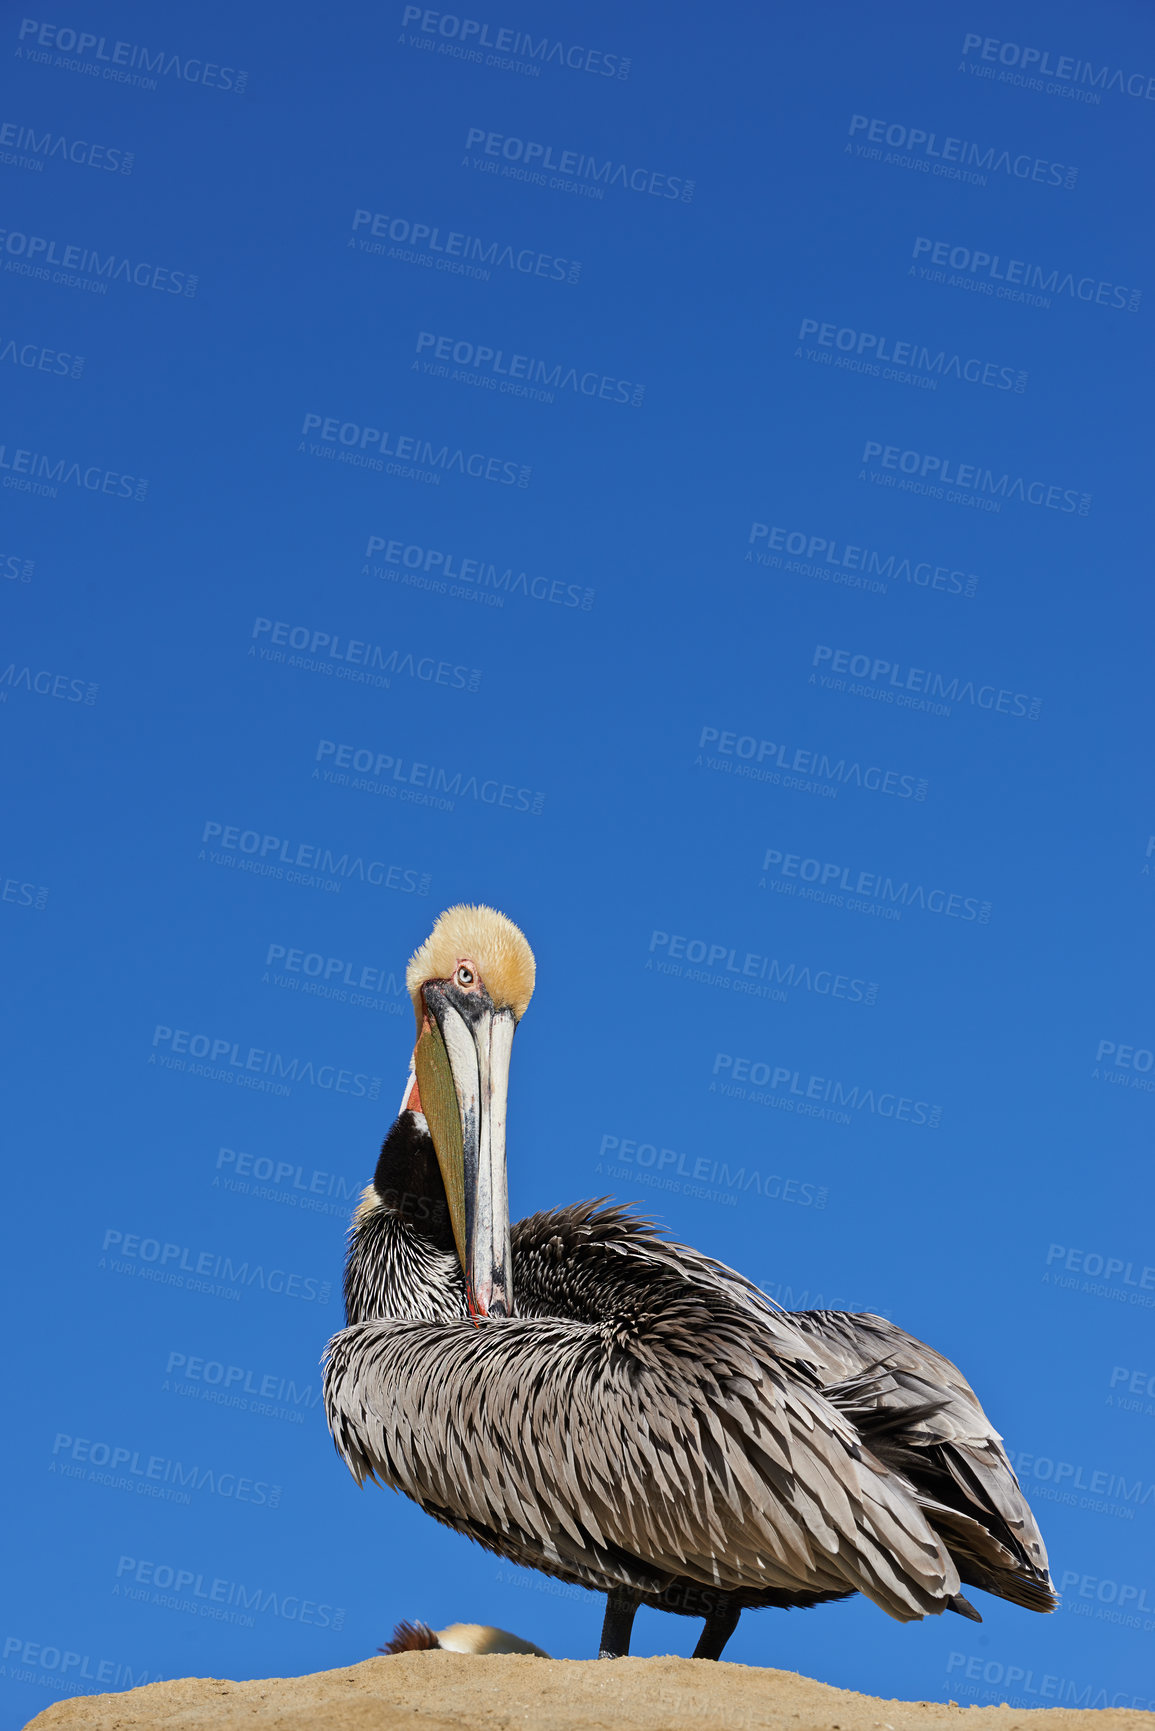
column 439, row 1691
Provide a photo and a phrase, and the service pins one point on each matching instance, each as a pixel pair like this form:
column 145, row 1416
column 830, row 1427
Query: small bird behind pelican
column 580, row 1395
column 479, row 1638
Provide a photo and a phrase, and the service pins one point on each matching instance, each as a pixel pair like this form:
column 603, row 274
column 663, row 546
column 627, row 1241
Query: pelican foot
column 621, row 1608
column 720, row 1625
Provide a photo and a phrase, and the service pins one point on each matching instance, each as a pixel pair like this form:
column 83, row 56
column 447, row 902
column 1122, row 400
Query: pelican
column 580, row 1395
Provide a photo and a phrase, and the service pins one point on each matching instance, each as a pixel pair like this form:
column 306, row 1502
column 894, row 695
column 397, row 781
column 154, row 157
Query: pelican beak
column 462, row 1064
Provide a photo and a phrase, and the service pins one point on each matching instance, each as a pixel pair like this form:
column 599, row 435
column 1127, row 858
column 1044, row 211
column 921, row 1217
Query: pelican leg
column 621, row 1608
column 720, row 1625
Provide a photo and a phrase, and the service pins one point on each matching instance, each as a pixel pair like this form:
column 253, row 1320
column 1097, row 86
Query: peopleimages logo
column 15, row 568
column 50, row 145
column 670, row 1165
column 380, row 772
column 351, row 442
column 963, row 1668
column 854, row 565
column 812, row 1298
column 1134, row 1390
column 335, row 980
column 328, row 652
column 1066, row 1477
column 63, row 1671
column 792, row 1090
column 31, row 254
column 157, row 1475
column 319, row 969
column 1095, row 1263
column 829, row 881
column 1124, row 1065
column 33, row 472
column 896, row 680
column 283, row 1181
column 883, row 356
column 575, row 167
column 39, row 359
column 674, row 948
column 44, row 683
column 217, row 1595
column 460, row 254
column 518, row 375
column 122, row 62
column 236, row 1385
column 24, row 895
column 1018, row 278
column 181, row 1265
column 434, row 568
column 1046, row 64
column 806, row 769
column 467, row 36
column 959, row 158
column 307, row 863
column 256, row 1061
column 934, row 473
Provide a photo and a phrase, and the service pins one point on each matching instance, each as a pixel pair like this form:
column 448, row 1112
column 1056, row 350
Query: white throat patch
column 410, row 1084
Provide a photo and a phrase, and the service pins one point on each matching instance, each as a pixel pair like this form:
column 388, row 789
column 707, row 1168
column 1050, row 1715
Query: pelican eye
column 464, row 975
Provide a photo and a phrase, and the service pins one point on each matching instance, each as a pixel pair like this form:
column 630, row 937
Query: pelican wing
column 910, row 1406
column 665, row 1432
column 917, row 1410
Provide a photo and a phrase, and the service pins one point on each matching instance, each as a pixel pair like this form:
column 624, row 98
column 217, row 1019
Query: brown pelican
column 582, row 1396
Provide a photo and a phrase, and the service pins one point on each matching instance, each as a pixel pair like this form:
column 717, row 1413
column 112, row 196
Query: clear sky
column 678, row 475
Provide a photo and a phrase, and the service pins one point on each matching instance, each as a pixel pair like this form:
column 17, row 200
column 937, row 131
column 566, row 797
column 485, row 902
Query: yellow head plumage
column 496, row 947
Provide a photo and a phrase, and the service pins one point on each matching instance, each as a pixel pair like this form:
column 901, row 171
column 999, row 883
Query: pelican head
column 470, row 983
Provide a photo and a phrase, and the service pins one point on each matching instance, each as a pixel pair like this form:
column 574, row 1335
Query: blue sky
column 738, row 577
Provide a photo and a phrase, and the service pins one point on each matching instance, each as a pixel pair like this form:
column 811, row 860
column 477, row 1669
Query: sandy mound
column 447, row 1691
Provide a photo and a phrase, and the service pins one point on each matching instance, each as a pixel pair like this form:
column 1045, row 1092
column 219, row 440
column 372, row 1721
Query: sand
column 437, row 1691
